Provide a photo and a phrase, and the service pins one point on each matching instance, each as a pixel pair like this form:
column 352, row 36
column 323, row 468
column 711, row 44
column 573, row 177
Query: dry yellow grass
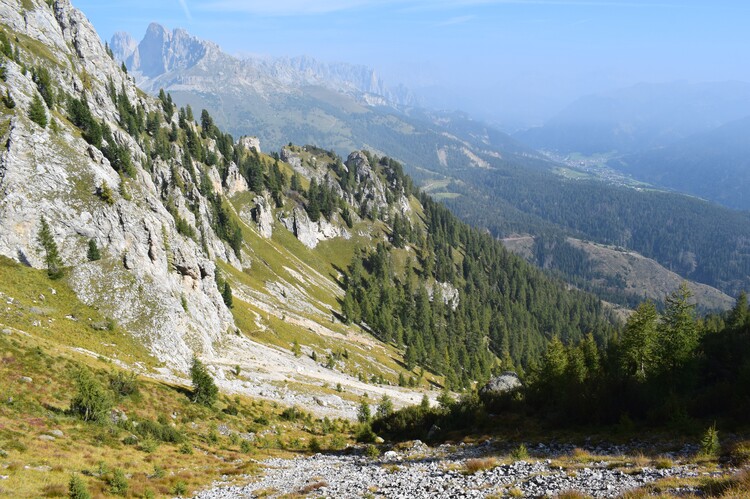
column 480, row 464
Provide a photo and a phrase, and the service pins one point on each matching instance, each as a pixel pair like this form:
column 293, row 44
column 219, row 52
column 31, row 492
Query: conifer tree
column 49, row 250
column 678, row 331
column 37, row 113
column 205, row 391
column 93, row 254
column 639, row 341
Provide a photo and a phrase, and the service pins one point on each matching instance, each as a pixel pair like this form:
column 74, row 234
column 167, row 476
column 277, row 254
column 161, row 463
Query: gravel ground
column 422, row 472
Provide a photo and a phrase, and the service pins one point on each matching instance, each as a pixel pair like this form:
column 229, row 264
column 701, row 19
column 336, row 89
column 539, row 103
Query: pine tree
column 226, row 295
column 740, row 314
column 93, row 254
column 205, row 391
column 385, row 407
column 91, row 401
column 364, row 414
column 678, row 332
column 49, row 249
column 37, row 112
column 639, row 347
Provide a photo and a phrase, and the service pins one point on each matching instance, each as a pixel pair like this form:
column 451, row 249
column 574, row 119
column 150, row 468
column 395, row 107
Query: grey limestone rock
column 504, row 383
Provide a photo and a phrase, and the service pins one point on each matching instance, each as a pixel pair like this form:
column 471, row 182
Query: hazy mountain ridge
column 714, row 165
column 161, row 52
column 640, row 117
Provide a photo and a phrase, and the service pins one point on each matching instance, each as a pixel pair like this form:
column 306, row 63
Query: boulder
column 499, row 385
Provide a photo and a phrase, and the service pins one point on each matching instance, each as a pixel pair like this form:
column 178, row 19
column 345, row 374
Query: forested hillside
column 696, row 239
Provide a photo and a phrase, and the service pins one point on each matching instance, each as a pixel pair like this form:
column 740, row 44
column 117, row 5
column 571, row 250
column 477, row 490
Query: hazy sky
column 513, row 60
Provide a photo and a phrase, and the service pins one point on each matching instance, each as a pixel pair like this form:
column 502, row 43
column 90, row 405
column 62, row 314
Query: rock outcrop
column 311, row 233
column 154, row 281
column 262, row 215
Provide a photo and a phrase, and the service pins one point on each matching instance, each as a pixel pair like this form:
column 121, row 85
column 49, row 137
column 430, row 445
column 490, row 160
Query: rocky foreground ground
column 422, row 472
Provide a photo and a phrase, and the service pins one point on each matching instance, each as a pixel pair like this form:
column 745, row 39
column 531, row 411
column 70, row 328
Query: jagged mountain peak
column 168, row 59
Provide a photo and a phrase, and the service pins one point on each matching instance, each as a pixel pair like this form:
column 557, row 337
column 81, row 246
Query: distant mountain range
column 691, row 138
column 159, row 59
column 714, row 165
column 640, row 117
column 487, row 177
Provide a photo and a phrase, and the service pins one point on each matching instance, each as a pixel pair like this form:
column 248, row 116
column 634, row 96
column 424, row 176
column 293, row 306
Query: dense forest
column 670, row 369
column 505, row 306
column 698, row 240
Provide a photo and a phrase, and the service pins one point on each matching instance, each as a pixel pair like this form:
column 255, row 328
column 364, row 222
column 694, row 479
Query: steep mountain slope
column 104, row 172
column 714, row 165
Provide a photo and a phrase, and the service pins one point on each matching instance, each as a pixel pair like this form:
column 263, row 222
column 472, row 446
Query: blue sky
column 514, row 60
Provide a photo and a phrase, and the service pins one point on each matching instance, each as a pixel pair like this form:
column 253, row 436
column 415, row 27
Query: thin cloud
column 186, row 9
column 454, row 21
column 305, row 7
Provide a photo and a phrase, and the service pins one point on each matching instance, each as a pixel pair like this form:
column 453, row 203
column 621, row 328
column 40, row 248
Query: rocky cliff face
column 157, row 283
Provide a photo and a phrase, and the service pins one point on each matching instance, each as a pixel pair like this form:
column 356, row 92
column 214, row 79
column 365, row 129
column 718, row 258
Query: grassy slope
column 313, row 276
column 38, row 466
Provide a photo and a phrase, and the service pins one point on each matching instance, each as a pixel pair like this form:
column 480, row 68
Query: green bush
column 77, row 488
column 118, row 483
column 180, row 488
column 161, row 432
column 365, row 434
column 520, row 453
column 314, row 445
column 372, row 451
column 91, row 402
column 124, row 384
column 292, row 414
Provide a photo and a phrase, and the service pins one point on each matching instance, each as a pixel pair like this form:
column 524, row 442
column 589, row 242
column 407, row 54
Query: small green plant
column 159, row 472
column 180, row 488
column 77, row 488
column 372, row 451
column 148, row 445
column 246, row 447
column 118, row 483
column 710, row 445
column 520, row 453
column 105, row 194
column 186, row 448
column 296, row 349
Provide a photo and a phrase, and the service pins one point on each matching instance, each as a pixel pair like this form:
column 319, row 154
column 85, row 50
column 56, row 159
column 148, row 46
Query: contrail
column 185, row 8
